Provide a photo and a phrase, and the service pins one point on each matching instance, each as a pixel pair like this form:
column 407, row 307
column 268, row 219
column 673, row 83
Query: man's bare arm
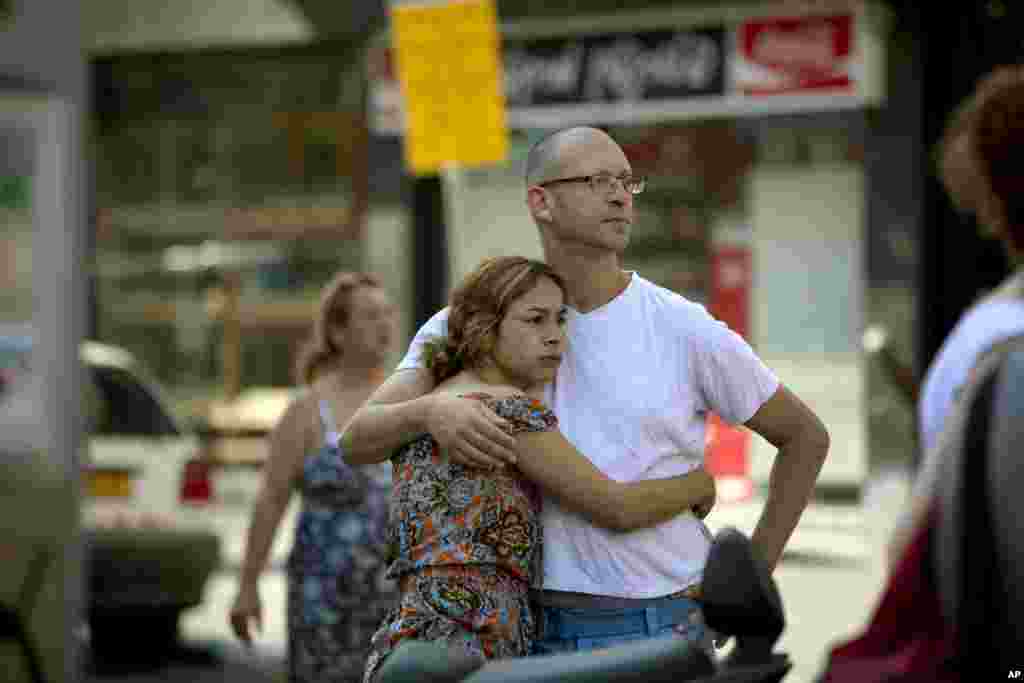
column 803, row 442
column 403, row 408
column 395, row 414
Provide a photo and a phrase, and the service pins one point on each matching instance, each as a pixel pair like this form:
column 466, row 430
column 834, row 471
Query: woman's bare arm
column 395, row 414
column 288, row 444
column 548, row 459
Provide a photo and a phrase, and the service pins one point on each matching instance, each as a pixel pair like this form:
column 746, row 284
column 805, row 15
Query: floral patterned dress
column 337, row 590
column 468, row 546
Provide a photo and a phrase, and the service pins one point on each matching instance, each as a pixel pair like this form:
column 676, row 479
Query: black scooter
column 740, row 599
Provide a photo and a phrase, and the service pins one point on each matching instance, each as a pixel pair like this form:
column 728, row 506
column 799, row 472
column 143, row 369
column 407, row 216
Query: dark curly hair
column 335, row 304
column 990, row 123
column 477, row 307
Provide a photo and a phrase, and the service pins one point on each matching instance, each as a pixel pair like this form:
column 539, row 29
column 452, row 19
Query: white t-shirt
column 632, row 394
column 985, row 324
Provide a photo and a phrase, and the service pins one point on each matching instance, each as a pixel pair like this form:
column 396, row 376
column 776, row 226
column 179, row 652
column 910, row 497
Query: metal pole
column 430, row 247
column 58, row 285
column 948, row 239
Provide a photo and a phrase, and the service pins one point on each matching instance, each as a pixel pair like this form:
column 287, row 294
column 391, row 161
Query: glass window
column 13, row 360
column 125, row 407
column 225, row 183
column 16, row 229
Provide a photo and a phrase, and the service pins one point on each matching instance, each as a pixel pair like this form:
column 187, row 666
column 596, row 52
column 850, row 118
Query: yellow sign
column 448, row 62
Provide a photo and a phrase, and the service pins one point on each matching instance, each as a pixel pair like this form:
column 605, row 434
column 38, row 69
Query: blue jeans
column 573, row 630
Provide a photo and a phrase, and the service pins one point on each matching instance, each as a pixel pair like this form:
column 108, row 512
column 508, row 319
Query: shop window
column 227, row 186
column 127, row 165
column 695, row 177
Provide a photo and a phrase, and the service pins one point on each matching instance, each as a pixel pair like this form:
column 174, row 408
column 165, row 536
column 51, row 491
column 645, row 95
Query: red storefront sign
column 796, row 55
column 730, row 286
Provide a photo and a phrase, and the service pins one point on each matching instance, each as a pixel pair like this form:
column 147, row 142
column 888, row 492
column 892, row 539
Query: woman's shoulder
column 525, row 413
column 299, row 420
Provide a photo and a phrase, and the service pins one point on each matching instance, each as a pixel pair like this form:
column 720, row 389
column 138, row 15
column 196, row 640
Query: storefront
column 230, row 187
column 750, row 126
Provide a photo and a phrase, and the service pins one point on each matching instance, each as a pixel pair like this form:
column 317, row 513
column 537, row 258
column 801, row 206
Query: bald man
column 643, row 369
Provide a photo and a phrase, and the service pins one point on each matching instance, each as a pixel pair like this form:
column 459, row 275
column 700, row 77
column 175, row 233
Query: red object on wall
column 731, row 274
column 727, row 447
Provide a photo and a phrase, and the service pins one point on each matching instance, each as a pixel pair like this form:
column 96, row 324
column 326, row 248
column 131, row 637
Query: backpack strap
column 331, row 433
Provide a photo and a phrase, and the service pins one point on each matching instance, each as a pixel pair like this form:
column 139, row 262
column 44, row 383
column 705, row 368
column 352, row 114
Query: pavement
column 834, row 567
column 830, row 577
column 202, row 662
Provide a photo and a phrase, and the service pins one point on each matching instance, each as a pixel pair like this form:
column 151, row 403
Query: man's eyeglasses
column 604, row 183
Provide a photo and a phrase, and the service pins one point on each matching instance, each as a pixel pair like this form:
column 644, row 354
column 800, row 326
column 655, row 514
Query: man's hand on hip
column 706, row 503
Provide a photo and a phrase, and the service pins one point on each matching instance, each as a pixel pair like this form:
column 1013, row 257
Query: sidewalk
column 833, row 569
column 835, row 530
column 845, row 519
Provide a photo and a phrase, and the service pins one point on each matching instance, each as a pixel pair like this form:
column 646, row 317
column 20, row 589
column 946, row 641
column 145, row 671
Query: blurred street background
column 195, row 172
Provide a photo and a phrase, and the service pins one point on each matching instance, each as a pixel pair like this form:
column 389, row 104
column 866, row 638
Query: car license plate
column 110, row 483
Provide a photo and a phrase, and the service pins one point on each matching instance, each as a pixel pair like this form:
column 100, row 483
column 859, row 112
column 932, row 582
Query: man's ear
column 539, row 203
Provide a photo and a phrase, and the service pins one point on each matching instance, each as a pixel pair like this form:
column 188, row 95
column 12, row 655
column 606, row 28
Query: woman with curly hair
column 467, row 541
column 336, row 591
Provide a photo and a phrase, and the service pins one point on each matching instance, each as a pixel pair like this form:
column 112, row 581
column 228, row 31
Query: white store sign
column 765, row 64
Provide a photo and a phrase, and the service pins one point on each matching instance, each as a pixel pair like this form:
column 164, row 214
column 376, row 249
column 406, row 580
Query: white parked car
column 150, row 546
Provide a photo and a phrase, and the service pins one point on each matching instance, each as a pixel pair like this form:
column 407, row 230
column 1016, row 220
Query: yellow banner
column 448, row 62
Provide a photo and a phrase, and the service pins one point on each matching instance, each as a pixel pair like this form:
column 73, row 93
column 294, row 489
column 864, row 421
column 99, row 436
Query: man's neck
column 592, row 282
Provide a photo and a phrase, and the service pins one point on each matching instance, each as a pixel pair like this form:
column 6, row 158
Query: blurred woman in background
column 337, row 593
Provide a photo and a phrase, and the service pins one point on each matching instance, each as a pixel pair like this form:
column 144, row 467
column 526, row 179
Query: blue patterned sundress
column 337, row 589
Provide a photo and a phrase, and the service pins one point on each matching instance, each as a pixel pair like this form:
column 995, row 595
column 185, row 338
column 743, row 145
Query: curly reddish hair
column 477, row 307
column 989, row 126
column 335, row 308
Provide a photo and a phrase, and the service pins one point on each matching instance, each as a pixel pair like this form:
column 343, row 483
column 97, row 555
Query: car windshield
column 117, row 403
column 125, row 407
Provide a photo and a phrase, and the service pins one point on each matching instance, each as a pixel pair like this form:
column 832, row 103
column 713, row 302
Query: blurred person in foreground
column 337, row 593
column 981, row 165
column 642, row 370
column 913, row 634
column 469, row 540
column 982, row 170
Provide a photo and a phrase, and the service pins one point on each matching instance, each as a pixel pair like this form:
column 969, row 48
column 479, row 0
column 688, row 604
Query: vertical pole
column 895, row 168
column 430, row 248
column 231, row 344
column 58, row 205
column 36, row 48
column 948, row 239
